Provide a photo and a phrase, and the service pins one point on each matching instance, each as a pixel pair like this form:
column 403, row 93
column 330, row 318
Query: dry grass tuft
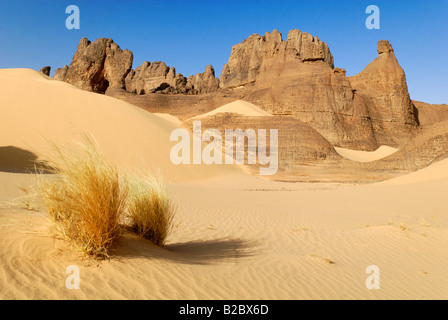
column 86, row 199
column 150, row 210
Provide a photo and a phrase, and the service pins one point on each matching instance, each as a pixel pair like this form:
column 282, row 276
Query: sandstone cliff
column 247, row 59
column 383, row 88
column 297, row 77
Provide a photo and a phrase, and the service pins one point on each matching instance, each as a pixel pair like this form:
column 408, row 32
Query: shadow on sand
column 192, row 252
column 17, row 160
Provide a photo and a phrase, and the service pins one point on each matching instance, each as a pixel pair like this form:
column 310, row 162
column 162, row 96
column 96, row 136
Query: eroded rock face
column 203, row 82
column 309, row 48
column 60, row 73
column 148, row 77
column 382, row 86
column 117, row 65
column 97, row 66
column 158, row 77
column 297, row 77
column 247, row 58
column 45, row 70
column 384, row 46
column 317, row 95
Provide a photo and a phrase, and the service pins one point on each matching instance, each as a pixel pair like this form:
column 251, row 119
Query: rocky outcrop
column 155, row 77
column 149, row 77
column 205, row 82
column 294, row 77
column 60, row 73
column 384, row 46
column 297, row 77
column 248, row 58
column 45, row 70
column 97, row 65
column 383, row 88
column 308, row 48
column 158, row 77
column 101, row 65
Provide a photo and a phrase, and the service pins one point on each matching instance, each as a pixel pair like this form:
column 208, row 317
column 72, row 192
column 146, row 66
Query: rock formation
column 297, row 76
column 429, row 114
column 60, row 73
column 247, row 58
column 382, row 86
column 45, row 70
column 97, row 65
column 154, row 77
column 148, row 77
column 157, row 76
column 101, row 65
column 203, row 82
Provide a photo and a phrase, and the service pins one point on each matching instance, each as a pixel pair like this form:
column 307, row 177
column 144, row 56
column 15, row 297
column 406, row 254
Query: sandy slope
column 238, row 237
column 169, row 117
column 435, row 171
column 240, row 107
column 34, row 109
column 252, row 239
column 366, row 156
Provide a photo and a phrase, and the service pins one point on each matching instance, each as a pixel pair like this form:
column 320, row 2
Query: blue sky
column 190, row 34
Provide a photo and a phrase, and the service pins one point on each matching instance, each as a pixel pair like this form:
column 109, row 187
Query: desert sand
column 434, row 172
column 239, row 237
column 240, row 107
column 366, row 156
column 55, row 112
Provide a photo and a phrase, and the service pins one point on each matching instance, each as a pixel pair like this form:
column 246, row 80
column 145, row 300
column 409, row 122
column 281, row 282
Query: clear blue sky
column 190, row 34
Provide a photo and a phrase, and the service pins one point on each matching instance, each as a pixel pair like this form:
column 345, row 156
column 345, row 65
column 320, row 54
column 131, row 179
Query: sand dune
column 251, row 240
column 169, row 117
column 366, row 156
column 35, row 110
column 436, row 171
column 240, row 107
